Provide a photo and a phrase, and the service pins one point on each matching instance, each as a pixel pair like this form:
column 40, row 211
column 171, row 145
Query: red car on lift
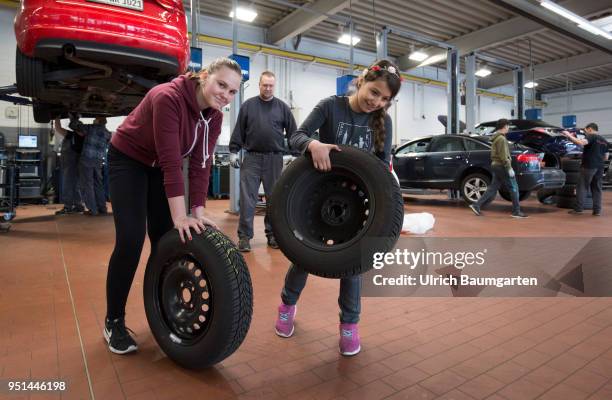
column 97, row 57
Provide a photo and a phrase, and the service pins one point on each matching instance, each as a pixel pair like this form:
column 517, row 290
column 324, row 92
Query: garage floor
column 52, row 306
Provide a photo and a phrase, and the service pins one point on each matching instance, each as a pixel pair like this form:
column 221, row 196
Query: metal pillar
column 519, row 94
column 234, row 173
column 470, row 92
column 381, row 43
column 452, row 91
column 351, row 49
column 193, row 13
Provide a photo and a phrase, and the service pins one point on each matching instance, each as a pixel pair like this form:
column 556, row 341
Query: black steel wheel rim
column 184, row 299
column 330, row 211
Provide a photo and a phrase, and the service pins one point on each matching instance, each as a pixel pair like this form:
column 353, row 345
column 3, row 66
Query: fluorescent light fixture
column 417, row 56
column 345, row 38
column 483, row 72
column 531, row 84
column 595, row 30
column 244, row 14
column 582, row 22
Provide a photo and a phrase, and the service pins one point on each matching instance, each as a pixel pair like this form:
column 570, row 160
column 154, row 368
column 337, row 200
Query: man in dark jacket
column 263, row 123
column 72, row 145
column 503, row 174
column 591, row 170
column 95, row 143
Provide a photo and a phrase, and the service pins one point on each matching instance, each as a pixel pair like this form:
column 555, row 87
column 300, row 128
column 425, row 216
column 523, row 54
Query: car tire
column 198, row 298
column 42, row 113
column 523, row 195
column 571, row 164
column 29, row 75
column 567, row 191
column 572, row 178
column 320, row 219
column 570, row 202
column 546, row 196
column 469, row 184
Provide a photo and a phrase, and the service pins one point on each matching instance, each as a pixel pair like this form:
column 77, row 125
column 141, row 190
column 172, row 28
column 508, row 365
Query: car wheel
column 571, row 164
column 29, row 75
column 42, row 113
column 570, row 202
column 198, row 298
column 567, row 191
column 474, row 186
column 572, row 178
column 320, row 219
column 546, row 196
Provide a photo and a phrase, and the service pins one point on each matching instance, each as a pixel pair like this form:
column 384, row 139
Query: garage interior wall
column 588, row 105
column 300, row 84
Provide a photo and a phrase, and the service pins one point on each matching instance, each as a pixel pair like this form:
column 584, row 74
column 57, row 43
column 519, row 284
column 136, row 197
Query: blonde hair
column 215, row 66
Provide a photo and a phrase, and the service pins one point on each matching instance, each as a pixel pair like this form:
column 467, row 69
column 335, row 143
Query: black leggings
column 139, row 204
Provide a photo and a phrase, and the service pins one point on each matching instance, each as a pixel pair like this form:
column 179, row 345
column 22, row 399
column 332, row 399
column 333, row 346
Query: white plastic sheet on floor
column 418, row 223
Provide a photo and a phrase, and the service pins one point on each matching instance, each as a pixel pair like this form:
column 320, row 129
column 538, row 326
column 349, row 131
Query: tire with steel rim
column 474, row 186
column 198, row 298
column 320, row 218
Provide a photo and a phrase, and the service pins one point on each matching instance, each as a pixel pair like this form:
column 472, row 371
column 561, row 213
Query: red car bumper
column 156, row 36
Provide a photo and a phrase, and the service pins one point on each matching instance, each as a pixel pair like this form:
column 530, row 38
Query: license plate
column 131, row 4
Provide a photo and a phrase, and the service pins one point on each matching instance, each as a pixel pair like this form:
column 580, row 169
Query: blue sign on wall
column 533, row 113
column 568, row 121
column 244, row 63
column 195, row 61
column 343, row 84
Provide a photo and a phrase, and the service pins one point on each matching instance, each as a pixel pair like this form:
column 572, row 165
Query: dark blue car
column 463, row 163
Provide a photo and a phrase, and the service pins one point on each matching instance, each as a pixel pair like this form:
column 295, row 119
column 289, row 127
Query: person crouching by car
column 503, row 174
column 594, row 154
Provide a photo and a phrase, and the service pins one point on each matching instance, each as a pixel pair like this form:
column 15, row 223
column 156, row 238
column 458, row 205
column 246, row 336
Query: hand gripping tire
column 320, row 218
column 198, row 298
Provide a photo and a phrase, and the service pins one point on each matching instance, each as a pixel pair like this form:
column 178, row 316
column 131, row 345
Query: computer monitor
column 28, row 141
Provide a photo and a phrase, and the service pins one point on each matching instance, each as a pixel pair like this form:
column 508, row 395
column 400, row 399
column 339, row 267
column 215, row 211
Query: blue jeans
column 349, row 299
column 501, row 178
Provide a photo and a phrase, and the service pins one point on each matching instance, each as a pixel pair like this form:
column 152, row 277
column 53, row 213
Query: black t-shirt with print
column 594, row 152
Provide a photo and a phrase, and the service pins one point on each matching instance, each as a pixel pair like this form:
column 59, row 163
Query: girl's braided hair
column 389, row 72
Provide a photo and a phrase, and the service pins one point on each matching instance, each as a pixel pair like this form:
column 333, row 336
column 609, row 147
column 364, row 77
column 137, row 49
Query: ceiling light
column 244, row 14
column 483, row 72
column 531, row 84
column 345, row 38
column 582, row 22
column 417, row 56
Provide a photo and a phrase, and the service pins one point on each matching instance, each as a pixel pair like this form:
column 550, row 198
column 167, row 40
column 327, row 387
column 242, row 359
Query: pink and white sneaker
column 284, row 322
column 350, row 344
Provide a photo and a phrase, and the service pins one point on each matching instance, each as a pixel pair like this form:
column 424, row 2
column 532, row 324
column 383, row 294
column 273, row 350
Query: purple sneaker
column 349, row 340
column 284, row 322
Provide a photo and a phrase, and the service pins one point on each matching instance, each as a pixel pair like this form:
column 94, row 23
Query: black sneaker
column 243, row 245
column 575, row 212
column 63, row 211
column 519, row 215
column 272, row 242
column 597, row 213
column 475, row 209
column 118, row 337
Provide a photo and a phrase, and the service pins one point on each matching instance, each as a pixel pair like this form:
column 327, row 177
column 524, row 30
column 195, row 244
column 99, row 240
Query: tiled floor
column 52, row 305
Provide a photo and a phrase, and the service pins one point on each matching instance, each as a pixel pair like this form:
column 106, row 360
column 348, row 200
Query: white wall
column 588, row 105
column 414, row 114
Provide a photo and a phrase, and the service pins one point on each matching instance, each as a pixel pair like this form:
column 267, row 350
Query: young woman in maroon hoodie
column 175, row 120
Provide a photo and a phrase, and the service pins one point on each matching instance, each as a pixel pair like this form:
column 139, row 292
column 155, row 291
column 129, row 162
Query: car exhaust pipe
column 69, row 53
